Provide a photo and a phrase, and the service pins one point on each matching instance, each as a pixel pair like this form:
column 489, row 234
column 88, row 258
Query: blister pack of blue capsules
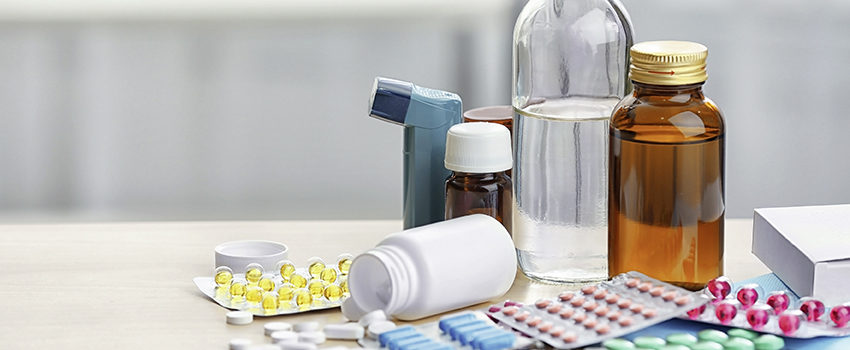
column 465, row 330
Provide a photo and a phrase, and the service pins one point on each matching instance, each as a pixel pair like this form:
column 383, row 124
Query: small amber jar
column 479, row 154
column 666, row 176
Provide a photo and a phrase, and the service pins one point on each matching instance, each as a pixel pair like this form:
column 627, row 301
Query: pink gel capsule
column 567, row 313
column 542, row 303
column 636, row 308
column 554, row 308
column 748, row 295
column 656, row 291
column 510, row 310
column 790, row 321
column 812, row 308
column 726, row 311
column 779, row 301
column 601, row 311
column 600, row 294
column 545, row 327
column 557, row 331
column 493, row 309
column 645, row 287
column 611, row 298
column 588, row 289
column 577, row 301
column 697, row 312
column 624, row 303
column 569, row 337
column 840, row 314
column 613, row 315
column 534, row 321
column 683, row 299
column 590, row 305
column 589, row 323
column 603, row 328
column 758, row 315
column 522, row 316
column 719, row 288
column 625, row 321
column 566, row 296
column 579, row 317
column 633, row 282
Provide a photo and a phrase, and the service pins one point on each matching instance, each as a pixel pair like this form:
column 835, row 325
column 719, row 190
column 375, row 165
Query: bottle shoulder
column 682, row 117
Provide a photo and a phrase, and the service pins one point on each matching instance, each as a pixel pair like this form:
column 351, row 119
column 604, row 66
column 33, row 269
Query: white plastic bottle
column 435, row 268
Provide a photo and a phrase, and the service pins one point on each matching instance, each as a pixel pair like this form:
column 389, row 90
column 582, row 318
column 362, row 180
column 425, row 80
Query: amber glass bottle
column 666, row 175
column 478, row 154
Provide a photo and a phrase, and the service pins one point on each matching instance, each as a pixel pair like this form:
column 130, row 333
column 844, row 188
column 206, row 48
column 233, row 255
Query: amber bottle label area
column 666, row 203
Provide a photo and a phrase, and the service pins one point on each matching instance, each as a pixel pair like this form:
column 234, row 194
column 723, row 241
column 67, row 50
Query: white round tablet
column 283, row 336
column 311, row 337
column 272, row 327
column 297, row 346
column 239, row 343
column 377, row 315
column 346, row 331
column 310, row 326
column 378, row 327
column 239, row 317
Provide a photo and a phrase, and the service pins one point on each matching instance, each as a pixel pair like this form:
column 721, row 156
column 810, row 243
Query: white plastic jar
column 435, row 268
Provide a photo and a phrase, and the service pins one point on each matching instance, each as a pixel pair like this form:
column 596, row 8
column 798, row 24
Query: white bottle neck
column 384, row 278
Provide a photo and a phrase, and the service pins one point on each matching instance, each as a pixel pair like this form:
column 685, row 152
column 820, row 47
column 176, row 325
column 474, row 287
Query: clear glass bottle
column 570, row 70
column 667, row 170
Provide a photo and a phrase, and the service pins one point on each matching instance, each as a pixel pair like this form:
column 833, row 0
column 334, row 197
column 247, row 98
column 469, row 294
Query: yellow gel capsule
column 316, row 287
column 343, row 284
column 223, row 275
column 266, row 284
column 298, row 281
column 333, row 292
column 253, row 273
column 237, row 289
column 315, row 266
column 303, row 298
column 285, row 292
column 254, row 294
column 270, row 301
column 286, row 268
column 344, row 263
column 328, row 275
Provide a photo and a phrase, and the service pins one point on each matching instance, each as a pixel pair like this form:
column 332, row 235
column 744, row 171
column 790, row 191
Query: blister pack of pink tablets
column 749, row 307
column 629, row 302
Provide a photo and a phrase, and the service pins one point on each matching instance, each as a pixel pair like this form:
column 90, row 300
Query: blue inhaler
column 426, row 114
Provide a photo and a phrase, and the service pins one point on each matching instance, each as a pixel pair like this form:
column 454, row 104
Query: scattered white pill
column 272, row 327
column 378, row 327
column 263, row 347
column 284, row 336
column 377, row 315
column 351, row 310
column 314, row 337
column 239, row 317
column 239, row 343
column 310, row 326
column 347, row 331
column 297, row 346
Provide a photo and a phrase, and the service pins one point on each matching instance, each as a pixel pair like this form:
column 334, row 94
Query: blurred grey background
column 256, row 109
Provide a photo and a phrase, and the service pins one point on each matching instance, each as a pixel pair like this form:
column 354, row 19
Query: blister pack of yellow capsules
column 287, row 290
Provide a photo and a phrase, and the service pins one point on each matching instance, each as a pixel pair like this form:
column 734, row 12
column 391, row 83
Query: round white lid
column 478, row 148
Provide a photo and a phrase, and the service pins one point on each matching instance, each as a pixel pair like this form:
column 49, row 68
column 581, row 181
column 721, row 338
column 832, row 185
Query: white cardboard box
column 808, row 248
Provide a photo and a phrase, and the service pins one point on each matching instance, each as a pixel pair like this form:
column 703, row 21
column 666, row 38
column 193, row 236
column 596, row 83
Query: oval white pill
column 347, row 331
column 284, row 336
column 377, row 315
column 311, row 326
column 272, row 327
column 378, row 327
column 239, row 317
column 298, row 346
column 311, row 337
column 239, row 343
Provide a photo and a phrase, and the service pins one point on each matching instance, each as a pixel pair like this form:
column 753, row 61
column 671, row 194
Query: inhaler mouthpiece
column 390, row 99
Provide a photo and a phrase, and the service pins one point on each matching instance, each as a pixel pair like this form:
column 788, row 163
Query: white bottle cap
column 478, row 148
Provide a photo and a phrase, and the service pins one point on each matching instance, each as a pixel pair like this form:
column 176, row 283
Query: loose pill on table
column 618, row 344
column 309, row 326
column 376, row 328
column 239, row 317
column 368, row 318
column 314, row 337
column 272, row 327
column 647, row 342
column 263, row 347
column 736, row 343
column 239, row 343
column 283, row 336
column 712, row 335
column 769, row 342
column 682, row 339
column 297, row 346
column 707, row 345
column 347, row 331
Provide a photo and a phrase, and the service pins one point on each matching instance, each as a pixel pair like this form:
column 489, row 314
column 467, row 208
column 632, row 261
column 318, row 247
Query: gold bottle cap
column 668, row 62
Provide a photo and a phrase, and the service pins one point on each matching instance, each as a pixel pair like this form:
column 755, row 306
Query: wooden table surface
column 129, row 285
